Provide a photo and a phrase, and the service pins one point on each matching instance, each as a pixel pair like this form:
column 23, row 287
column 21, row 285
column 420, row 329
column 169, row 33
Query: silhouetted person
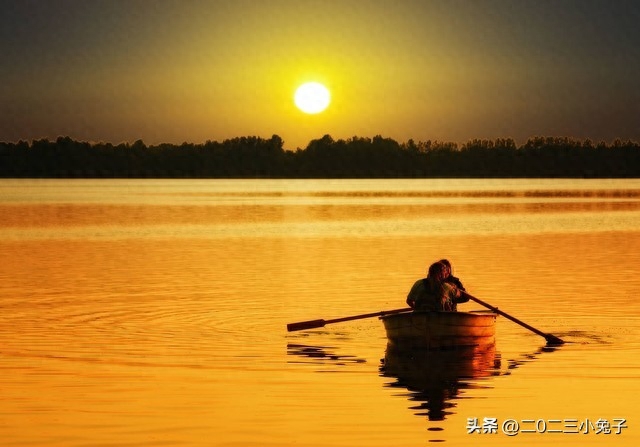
column 433, row 293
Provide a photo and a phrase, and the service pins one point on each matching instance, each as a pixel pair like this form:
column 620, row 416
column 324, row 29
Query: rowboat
column 440, row 330
column 435, row 330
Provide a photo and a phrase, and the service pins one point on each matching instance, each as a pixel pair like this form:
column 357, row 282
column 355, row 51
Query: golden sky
column 174, row 71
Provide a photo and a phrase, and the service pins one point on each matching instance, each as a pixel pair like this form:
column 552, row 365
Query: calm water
column 146, row 313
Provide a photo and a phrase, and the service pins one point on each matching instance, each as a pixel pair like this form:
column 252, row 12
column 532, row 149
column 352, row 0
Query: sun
column 312, row 97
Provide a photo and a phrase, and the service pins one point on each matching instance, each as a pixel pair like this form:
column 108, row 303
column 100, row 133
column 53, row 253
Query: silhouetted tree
column 356, row 157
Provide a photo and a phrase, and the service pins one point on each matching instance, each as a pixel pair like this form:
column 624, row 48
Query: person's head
column 447, row 264
column 438, row 271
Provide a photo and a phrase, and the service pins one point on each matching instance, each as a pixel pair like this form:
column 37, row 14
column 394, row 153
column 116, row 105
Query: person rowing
column 435, row 293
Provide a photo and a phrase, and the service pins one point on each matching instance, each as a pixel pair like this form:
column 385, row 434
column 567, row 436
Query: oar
column 551, row 339
column 312, row 324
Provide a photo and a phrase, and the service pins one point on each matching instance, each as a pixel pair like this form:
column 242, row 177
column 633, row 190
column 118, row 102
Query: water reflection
column 320, row 355
column 512, row 364
column 434, row 379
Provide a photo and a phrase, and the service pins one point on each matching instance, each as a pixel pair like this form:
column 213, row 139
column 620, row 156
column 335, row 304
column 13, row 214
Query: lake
column 154, row 312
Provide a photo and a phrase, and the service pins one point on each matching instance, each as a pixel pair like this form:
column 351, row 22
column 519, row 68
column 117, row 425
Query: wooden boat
column 435, row 330
column 440, row 330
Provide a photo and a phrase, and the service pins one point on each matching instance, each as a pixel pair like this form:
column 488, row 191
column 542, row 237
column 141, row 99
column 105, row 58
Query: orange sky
column 209, row 70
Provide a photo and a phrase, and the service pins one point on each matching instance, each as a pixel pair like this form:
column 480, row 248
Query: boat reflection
column 435, row 378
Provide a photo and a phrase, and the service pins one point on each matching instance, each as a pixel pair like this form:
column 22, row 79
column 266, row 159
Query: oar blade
column 301, row 326
column 552, row 340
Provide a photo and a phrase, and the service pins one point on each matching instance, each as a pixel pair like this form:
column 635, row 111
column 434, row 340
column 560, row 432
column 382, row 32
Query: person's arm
column 456, row 282
column 411, row 302
column 415, row 292
column 461, row 297
column 411, row 297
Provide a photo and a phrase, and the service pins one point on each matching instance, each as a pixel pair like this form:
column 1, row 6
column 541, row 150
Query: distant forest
column 357, row 157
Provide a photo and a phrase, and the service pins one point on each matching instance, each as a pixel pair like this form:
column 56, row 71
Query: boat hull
column 440, row 330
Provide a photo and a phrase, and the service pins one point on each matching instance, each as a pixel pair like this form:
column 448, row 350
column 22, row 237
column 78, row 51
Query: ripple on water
column 153, row 333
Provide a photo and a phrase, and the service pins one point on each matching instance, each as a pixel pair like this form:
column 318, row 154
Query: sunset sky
column 174, row 71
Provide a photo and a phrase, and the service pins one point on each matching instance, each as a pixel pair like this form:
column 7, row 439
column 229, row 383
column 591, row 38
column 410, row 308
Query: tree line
column 357, row 157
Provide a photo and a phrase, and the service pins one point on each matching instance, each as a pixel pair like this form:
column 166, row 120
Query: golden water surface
column 151, row 312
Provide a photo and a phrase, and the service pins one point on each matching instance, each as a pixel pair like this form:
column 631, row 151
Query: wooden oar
column 551, row 339
column 312, row 324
